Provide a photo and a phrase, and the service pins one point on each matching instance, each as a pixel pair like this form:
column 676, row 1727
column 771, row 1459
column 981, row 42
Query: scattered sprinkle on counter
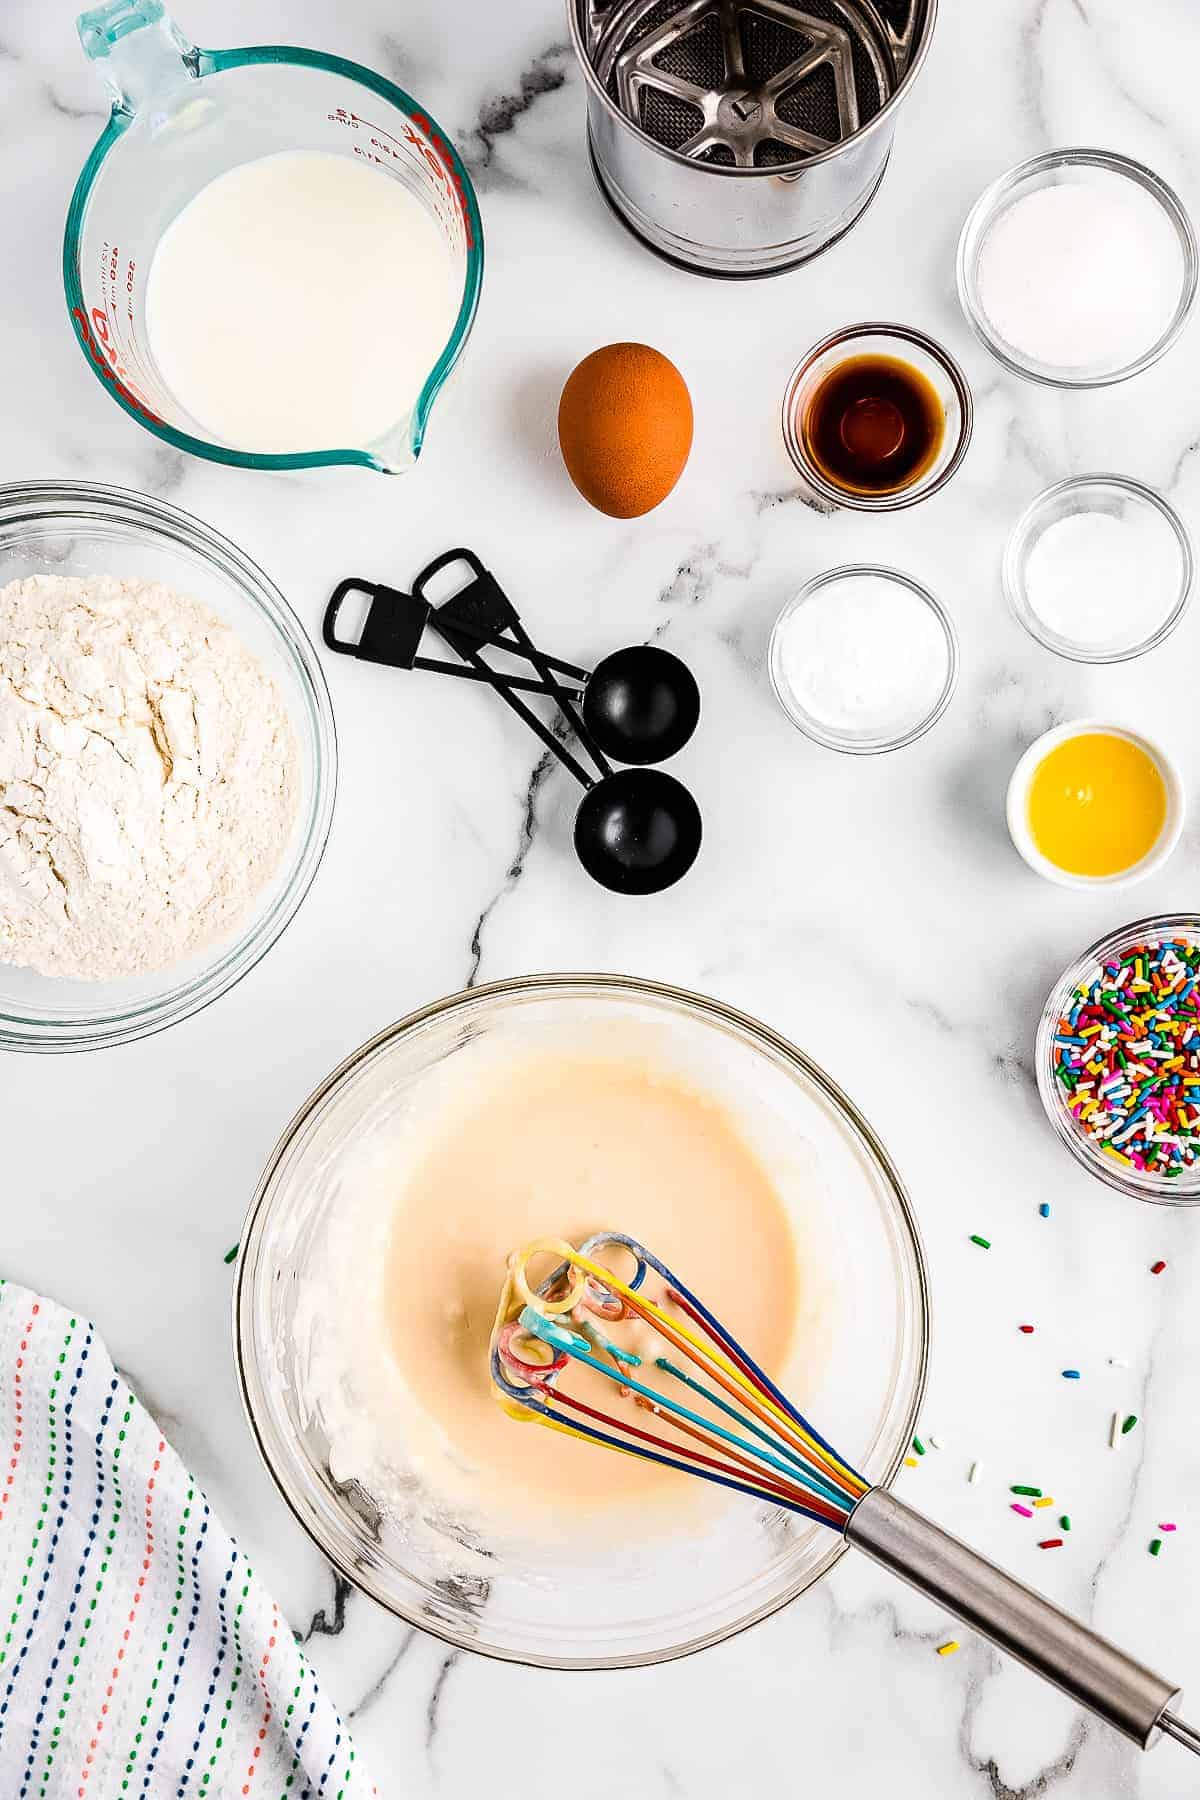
column 1064, row 1523
column 1071, row 1375
column 1025, row 1511
column 1050, row 1544
column 1128, row 1423
column 1157, row 1268
column 937, row 1440
column 1165, row 1526
column 973, row 1474
column 918, row 1446
column 1044, row 1209
column 1046, row 1500
column 1114, row 1431
column 1031, row 1492
column 1127, row 1057
column 984, row 1243
column 1155, row 1546
column 1118, row 1362
column 230, row 1255
column 911, row 1462
column 1027, row 1329
column 950, row 1648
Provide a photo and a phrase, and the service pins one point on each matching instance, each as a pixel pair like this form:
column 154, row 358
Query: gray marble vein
column 499, row 114
column 545, row 766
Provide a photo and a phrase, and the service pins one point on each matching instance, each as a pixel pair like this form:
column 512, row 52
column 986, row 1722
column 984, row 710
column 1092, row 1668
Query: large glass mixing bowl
column 575, row 1602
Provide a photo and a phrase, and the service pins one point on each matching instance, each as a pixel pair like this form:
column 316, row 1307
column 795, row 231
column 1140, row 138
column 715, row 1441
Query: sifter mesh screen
column 757, row 83
column 697, row 55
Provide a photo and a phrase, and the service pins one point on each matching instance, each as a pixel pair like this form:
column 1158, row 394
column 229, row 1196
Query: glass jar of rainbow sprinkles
column 1118, row 1059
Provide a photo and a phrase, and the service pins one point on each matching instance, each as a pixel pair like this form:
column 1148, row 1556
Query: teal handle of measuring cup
column 159, row 57
column 142, row 56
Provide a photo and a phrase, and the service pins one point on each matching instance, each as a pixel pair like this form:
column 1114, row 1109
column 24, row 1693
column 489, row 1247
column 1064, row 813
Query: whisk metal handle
column 1047, row 1640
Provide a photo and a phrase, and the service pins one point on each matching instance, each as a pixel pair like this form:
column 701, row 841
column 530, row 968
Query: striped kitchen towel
column 140, row 1658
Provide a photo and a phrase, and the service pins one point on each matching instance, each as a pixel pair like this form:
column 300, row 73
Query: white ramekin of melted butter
column 374, row 1259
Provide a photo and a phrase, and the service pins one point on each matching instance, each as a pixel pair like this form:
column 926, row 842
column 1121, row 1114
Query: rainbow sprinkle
column 1127, row 1057
column 1051, row 1544
column 1024, row 1511
column 1155, row 1546
column 950, row 1648
column 984, row 1243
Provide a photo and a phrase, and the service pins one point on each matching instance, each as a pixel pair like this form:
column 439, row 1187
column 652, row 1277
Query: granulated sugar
column 1104, row 582
column 1085, row 275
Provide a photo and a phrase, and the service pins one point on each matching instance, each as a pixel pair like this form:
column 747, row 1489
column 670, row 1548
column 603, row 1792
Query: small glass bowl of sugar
column 863, row 659
column 1078, row 268
column 1099, row 569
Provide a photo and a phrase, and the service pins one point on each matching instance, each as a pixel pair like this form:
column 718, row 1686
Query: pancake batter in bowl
column 568, row 1146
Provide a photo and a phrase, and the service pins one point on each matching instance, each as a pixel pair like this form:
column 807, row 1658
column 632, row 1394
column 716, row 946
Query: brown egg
column 625, row 428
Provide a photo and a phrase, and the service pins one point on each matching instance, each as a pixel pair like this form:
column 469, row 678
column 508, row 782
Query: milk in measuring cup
column 299, row 302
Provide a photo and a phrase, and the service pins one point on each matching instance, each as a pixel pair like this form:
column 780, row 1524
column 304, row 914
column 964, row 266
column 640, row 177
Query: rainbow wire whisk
column 691, row 1398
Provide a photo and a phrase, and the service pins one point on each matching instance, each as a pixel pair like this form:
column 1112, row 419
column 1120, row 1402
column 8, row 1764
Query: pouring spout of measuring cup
column 238, row 345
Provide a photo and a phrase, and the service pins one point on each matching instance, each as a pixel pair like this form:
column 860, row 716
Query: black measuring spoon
column 637, row 830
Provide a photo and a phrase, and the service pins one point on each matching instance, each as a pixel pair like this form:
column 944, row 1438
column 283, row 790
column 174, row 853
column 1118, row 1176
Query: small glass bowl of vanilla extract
column 877, row 417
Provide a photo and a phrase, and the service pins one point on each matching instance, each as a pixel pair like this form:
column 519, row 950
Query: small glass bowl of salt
column 1078, row 268
column 1099, row 569
column 863, row 659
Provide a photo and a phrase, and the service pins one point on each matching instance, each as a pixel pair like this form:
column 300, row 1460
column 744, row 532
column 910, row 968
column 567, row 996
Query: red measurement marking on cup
column 432, row 147
column 99, row 346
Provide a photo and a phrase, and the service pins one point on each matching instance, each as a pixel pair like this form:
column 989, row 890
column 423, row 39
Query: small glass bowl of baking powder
column 1078, row 268
column 863, row 659
column 1099, row 569
column 83, row 528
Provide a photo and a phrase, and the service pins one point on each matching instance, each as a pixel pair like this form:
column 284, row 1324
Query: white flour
column 148, row 776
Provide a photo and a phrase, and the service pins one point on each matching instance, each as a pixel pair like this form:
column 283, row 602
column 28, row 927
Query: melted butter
column 1097, row 804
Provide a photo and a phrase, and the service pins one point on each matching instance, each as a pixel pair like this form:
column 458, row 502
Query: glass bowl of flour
column 373, row 1259
column 167, row 765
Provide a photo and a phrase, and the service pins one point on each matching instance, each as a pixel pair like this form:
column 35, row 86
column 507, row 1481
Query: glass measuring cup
column 182, row 116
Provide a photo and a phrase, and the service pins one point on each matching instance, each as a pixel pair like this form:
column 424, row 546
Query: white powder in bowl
column 1104, row 581
column 148, row 777
column 864, row 657
column 1081, row 275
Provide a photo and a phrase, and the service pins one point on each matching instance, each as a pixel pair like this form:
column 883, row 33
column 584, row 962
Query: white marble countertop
column 873, row 910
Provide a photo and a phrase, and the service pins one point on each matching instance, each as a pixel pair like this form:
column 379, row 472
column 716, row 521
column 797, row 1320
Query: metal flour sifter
column 743, row 137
